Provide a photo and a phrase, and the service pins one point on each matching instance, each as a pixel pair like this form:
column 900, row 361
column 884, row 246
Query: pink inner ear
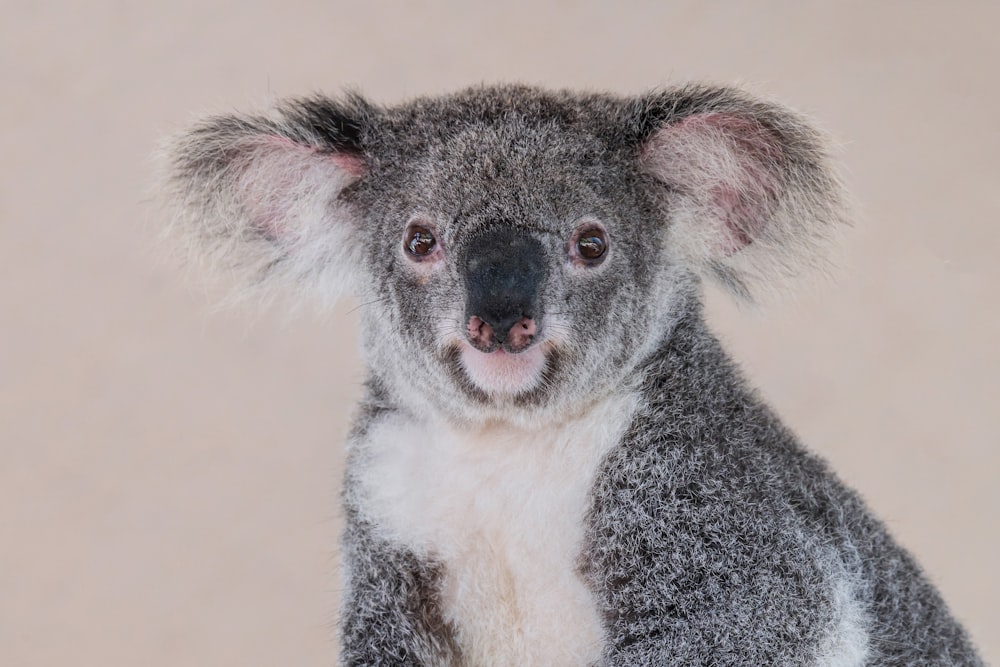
column 740, row 217
column 741, row 163
column 351, row 163
column 275, row 171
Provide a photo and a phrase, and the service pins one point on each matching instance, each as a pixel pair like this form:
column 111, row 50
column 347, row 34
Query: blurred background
column 169, row 472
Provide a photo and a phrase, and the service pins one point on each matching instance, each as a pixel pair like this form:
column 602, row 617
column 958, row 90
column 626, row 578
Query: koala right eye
column 419, row 241
column 589, row 245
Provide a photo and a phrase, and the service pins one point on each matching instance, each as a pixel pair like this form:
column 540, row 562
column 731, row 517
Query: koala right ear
column 261, row 195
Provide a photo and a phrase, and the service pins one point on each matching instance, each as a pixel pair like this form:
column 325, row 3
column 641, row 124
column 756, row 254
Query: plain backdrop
column 169, row 472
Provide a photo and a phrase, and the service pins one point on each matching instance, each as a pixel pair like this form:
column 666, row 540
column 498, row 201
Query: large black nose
column 504, row 272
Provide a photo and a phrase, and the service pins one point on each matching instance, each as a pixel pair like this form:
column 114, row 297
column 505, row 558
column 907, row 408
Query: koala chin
column 554, row 461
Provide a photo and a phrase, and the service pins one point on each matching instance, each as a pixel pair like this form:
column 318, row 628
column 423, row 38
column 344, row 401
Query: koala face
column 518, row 252
column 499, row 283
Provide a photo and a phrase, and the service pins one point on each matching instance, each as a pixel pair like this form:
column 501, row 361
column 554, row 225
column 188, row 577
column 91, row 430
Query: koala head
column 518, row 252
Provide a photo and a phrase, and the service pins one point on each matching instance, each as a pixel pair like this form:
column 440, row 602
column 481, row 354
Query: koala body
column 554, row 462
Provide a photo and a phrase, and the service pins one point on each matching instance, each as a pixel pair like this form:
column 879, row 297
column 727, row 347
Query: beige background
column 169, row 474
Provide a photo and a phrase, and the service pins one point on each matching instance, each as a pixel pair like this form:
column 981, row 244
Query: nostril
column 522, row 333
column 480, row 333
column 515, row 335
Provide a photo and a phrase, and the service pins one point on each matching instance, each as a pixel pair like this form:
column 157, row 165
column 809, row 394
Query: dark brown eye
column 419, row 241
column 592, row 244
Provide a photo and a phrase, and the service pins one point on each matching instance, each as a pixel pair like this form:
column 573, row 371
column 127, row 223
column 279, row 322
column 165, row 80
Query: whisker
column 364, row 304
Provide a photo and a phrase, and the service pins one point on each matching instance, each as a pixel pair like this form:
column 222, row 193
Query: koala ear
column 750, row 199
column 261, row 196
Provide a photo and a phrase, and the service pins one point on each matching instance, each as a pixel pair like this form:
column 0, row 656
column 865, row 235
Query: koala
column 554, row 462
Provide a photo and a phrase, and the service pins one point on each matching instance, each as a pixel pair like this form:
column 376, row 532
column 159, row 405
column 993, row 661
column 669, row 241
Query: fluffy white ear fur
column 258, row 198
column 751, row 199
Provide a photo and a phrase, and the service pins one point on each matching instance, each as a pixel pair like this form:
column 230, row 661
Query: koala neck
column 514, row 419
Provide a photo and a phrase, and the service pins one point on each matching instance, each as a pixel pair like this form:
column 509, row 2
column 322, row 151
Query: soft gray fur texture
column 710, row 537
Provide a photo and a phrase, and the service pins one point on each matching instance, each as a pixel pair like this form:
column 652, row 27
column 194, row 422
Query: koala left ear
column 750, row 197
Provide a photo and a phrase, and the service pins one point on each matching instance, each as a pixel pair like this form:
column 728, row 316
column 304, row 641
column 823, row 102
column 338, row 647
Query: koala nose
column 504, row 272
column 518, row 336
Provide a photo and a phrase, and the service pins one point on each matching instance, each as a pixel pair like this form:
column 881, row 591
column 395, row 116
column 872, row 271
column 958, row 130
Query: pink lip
column 501, row 372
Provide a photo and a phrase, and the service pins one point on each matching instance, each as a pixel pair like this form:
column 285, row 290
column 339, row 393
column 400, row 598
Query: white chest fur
column 503, row 509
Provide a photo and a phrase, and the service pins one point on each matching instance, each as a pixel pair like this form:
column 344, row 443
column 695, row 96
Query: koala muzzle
column 504, row 272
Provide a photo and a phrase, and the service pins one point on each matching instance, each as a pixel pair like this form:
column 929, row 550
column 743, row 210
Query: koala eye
column 419, row 241
column 591, row 245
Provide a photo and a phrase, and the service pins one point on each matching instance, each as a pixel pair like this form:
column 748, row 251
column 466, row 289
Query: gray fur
column 712, row 537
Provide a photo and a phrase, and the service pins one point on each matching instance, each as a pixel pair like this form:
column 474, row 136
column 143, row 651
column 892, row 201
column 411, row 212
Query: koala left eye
column 419, row 241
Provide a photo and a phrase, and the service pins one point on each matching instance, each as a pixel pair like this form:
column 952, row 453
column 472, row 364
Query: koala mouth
column 504, row 373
